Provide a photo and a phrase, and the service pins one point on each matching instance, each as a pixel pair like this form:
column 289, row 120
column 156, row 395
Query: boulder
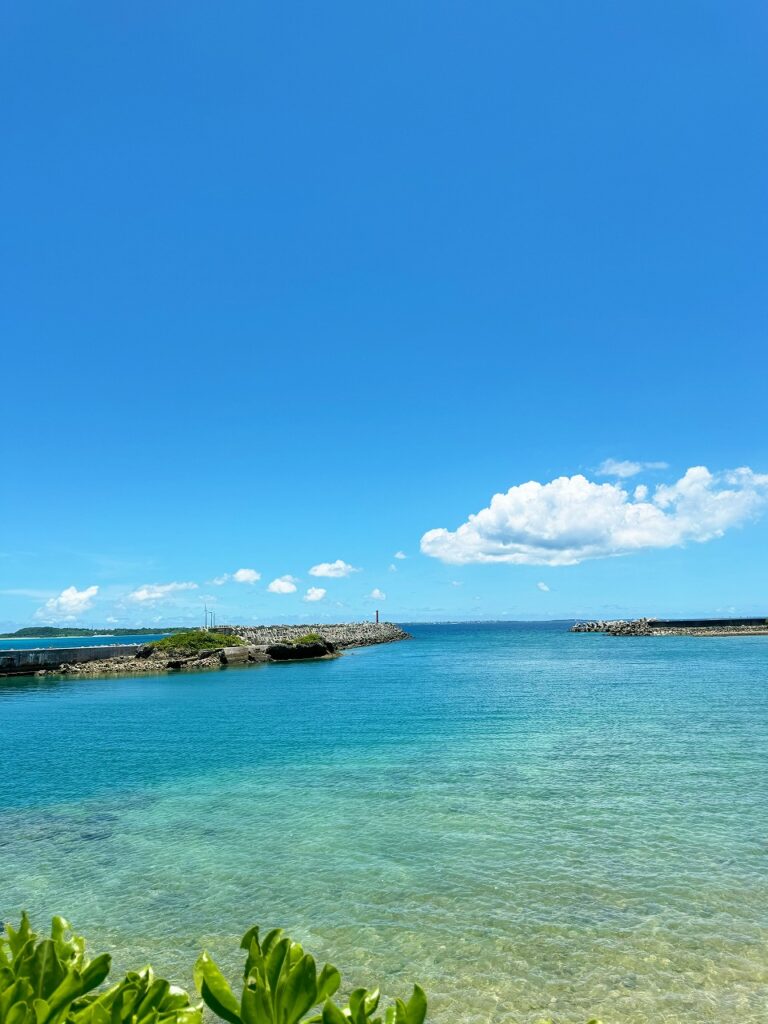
column 245, row 655
column 301, row 652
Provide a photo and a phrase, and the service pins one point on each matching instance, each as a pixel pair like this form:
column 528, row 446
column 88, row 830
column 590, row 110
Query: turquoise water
column 524, row 820
column 24, row 643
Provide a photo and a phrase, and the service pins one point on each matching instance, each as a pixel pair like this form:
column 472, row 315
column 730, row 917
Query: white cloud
column 315, row 594
column 392, row 567
column 283, row 585
column 543, row 587
column 456, row 583
column 239, row 576
column 158, row 591
column 334, row 570
column 572, row 519
column 626, row 468
column 378, row 595
column 400, row 554
column 246, row 576
column 69, row 604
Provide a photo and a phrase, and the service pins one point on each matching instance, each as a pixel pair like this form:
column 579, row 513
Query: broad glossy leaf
column 252, row 935
column 332, row 1014
column 274, row 967
column 328, row 982
column 215, row 990
column 256, row 1003
column 417, row 1006
column 300, row 993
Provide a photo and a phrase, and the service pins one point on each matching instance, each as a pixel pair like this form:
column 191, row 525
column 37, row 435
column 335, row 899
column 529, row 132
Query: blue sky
column 292, row 284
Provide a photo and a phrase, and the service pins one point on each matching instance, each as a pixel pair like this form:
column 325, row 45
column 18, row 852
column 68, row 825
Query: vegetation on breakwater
column 192, row 641
column 50, row 980
column 307, row 638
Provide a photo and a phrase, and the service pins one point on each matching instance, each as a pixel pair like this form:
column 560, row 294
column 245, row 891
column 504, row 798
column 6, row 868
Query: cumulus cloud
column 334, row 570
column 624, row 468
column 543, row 587
column 315, row 594
column 400, row 554
column 378, row 595
column 69, row 604
column 283, row 585
column 246, row 576
column 239, row 576
column 572, row 519
column 158, row 591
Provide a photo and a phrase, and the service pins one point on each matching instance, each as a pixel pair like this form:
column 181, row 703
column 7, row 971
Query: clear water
column 528, row 822
column 24, row 643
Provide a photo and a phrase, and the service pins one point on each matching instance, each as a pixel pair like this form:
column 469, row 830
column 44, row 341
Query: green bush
column 51, row 981
column 195, row 640
column 281, row 985
column 308, row 638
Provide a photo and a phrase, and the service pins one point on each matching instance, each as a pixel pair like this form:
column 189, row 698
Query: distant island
column 46, row 632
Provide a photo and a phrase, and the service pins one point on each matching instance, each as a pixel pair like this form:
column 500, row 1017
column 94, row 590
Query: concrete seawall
column 37, row 659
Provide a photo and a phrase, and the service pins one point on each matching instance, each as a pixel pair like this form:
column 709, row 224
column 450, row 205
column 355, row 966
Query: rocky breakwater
column 615, row 627
column 341, row 635
column 671, row 627
column 148, row 661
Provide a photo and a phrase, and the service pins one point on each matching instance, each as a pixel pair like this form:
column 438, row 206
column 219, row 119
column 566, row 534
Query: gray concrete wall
column 28, row 661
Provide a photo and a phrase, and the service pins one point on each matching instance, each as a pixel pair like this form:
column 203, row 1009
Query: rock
column 301, row 652
column 246, row 655
column 342, row 635
column 145, row 651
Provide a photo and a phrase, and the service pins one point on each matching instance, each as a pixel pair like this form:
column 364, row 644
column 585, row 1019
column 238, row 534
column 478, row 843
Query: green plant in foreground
column 50, row 980
column 281, row 985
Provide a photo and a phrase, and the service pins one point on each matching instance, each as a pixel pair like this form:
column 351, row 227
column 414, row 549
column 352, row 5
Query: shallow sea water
column 526, row 821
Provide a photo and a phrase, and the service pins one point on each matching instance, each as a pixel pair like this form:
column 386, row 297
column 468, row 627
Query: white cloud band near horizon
column 572, row 519
column 624, row 468
column 158, row 591
column 238, row 576
column 333, row 570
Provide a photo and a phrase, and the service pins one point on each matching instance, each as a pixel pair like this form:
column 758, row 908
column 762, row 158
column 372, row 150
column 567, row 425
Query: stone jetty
column 342, row 635
column 674, row 627
column 262, row 644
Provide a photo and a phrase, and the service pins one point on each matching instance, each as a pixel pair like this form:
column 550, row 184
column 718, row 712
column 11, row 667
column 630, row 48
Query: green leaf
column 252, row 935
column 372, row 1001
column 215, row 990
column 300, row 992
column 332, row 1014
column 256, row 1003
column 274, row 967
column 417, row 1006
column 328, row 982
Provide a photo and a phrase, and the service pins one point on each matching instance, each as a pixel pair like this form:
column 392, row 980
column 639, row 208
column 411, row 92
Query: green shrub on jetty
column 308, row 638
column 51, row 981
column 195, row 640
